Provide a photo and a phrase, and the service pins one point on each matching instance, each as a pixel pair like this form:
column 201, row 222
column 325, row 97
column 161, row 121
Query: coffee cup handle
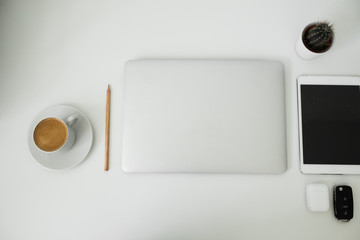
column 71, row 120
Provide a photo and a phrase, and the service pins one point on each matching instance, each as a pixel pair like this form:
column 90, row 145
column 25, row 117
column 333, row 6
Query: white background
column 66, row 52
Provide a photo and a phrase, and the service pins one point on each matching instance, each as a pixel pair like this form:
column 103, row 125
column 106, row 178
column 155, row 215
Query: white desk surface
column 66, row 52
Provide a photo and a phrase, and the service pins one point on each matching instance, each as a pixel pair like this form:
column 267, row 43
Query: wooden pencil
column 108, row 93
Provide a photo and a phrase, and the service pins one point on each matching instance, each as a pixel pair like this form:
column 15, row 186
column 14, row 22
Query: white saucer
column 80, row 149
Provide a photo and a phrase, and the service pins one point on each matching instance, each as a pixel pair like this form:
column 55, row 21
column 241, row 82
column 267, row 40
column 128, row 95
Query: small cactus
column 318, row 37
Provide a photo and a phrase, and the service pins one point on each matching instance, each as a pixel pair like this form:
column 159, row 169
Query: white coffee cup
column 54, row 135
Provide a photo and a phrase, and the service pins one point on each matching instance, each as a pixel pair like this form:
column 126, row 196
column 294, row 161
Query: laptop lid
column 211, row 116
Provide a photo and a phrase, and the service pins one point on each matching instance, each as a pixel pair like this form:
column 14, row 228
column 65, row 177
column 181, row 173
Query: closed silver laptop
column 208, row 116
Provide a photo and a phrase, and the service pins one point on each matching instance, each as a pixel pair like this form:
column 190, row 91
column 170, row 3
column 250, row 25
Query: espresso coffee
column 50, row 134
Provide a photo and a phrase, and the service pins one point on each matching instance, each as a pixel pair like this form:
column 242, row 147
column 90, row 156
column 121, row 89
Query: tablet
column 329, row 124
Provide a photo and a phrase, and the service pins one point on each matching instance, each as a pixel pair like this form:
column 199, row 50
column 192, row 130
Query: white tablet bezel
column 323, row 168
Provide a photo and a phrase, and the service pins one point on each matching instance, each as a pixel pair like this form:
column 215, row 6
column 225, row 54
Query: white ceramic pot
column 303, row 52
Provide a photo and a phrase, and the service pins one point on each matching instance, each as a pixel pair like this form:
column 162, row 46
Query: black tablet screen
column 331, row 124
